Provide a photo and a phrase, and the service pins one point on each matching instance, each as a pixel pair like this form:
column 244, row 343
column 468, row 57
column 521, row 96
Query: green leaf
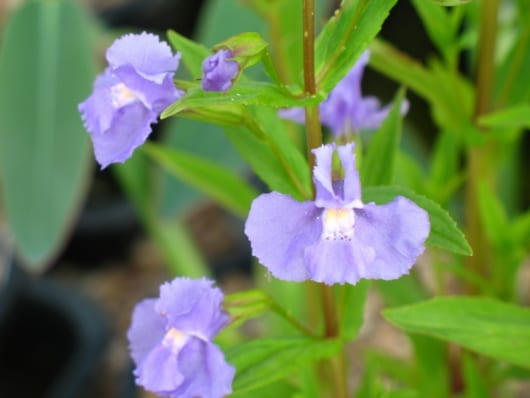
column 431, row 366
column 273, row 390
column 444, row 234
column 520, row 230
column 246, row 305
column 46, row 69
column 345, row 36
column 192, row 53
column 384, row 145
column 182, row 256
column 512, row 77
column 202, row 139
column 221, row 184
column 247, row 48
column 268, row 148
column 352, row 309
column 261, row 362
column 450, row 95
column 517, row 116
column 243, row 93
column 288, row 154
column 492, row 214
column 451, row 3
column 483, row 325
column 437, row 23
column 473, row 379
column 263, row 161
column 445, row 160
column 171, row 236
column 430, row 370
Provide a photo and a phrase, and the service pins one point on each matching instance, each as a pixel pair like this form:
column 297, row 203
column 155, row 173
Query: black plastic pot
column 51, row 339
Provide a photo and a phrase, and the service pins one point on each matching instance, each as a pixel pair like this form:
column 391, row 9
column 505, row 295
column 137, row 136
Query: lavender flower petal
column 396, row 232
column 346, row 110
column 129, row 129
column 170, row 341
column 146, row 54
column 159, row 372
column 219, row 71
column 333, row 192
column 206, row 374
column 154, row 96
column 295, row 114
column 351, row 183
column 279, row 228
column 129, row 96
column 192, row 305
column 322, row 176
column 336, row 238
column 146, row 331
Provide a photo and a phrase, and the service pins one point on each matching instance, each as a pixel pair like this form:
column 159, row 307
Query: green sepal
column 247, row 48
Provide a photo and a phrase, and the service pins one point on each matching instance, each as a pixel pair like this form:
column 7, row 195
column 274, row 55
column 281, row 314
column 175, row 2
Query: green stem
column 478, row 157
column 278, row 309
column 313, row 127
column 256, row 128
column 314, row 140
column 486, row 54
column 328, row 306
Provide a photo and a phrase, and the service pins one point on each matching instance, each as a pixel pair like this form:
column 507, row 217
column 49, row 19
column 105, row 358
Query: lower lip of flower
column 337, row 224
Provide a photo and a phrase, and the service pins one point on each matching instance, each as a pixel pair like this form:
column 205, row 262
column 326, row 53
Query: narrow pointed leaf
column 261, row 362
column 220, row 183
column 484, row 325
column 384, row 145
column 192, row 53
column 345, row 36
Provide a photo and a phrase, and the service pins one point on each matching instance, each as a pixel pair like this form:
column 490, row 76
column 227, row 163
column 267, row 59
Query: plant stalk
column 312, row 117
column 478, row 157
column 314, row 140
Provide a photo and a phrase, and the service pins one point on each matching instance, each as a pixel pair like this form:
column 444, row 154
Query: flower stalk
column 478, row 159
column 313, row 127
column 314, row 140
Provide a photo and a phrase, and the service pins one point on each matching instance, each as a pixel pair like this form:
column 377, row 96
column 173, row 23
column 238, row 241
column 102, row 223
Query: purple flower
column 219, row 71
column 336, row 238
column 170, row 339
column 346, row 110
column 129, row 95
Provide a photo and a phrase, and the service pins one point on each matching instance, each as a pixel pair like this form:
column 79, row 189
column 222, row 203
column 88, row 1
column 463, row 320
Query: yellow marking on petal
column 121, row 95
column 175, row 340
column 337, row 224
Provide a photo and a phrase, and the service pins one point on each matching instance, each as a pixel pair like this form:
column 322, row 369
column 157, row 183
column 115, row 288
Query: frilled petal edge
column 145, row 52
column 396, row 232
column 279, row 228
column 193, row 306
column 146, row 331
column 129, row 129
